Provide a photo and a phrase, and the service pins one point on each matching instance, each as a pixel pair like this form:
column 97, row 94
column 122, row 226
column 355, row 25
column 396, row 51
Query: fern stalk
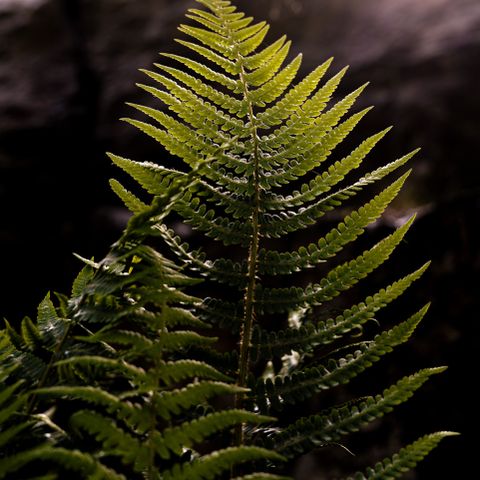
column 249, row 298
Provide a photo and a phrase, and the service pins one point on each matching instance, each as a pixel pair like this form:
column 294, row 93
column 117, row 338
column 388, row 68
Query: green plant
column 123, row 379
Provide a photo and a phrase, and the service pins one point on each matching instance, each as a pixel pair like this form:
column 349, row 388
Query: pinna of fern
column 265, row 145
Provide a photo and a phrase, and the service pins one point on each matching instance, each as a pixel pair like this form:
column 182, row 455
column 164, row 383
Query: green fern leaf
column 176, row 439
column 264, row 73
column 71, row 459
column 209, row 466
column 281, row 263
column 318, row 429
column 403, row 461
column 113, row 438
column 294, row 99
column 174, row 401
column 251, row 44
column 31, row 335
column 177, row 371
column 271, row 90
column 227, row 102
column 261, row 476
column 255, row 61
column 210, row 39
column 339, row 279
column 304, row 383
column 129, row 351
column 81, row 281
column 309, row 336
column 205, row 72
column 103, row 363
column 220, row 60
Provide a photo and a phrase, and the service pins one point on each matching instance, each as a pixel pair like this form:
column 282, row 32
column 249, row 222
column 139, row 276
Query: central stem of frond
column 249, row 297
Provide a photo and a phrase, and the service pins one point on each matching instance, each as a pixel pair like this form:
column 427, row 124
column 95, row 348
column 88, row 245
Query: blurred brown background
column 68, row 66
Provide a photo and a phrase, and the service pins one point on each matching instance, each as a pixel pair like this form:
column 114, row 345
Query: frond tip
column 403, row 461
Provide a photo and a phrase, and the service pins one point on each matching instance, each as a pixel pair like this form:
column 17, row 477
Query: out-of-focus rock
column 122, row 36
column 423, row 61
column 417, row 54
column 37, row 73
column 372, row 31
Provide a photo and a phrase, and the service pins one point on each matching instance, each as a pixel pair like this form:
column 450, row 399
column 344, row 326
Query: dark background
column 68, row 66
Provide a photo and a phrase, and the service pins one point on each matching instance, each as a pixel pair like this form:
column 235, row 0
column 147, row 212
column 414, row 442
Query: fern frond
column 206, row 72
column 272, row 262
column 308, row 336
column 169, row 141
column 313, row 158
column 243, row 34
column 175, row 439
column 264, row 73
column 174, row 401
column 271, row 90
column 98, row 362
column 309, row 432
column 113, row 438
column 294, row 99
column 91, row 395
column 223, row 100
column 71, row 459
column 177, row 371
column 261, row 476
column 211, row 22
column 335, row 199
column 222, row 270
column 193, row 103
column 209, row 466
column 210, row 39
column 50, row 325
column 312, row 128
column 229, row 232
column 31, row 335
column 183, row 339
column 304, row 383
column 221, row 313
column 403, row 461
column 255, row 61
column 133, row 203
column 131, row 351
column 227, row 65
column 339, row 279
column 333, row 175
column 251, row 44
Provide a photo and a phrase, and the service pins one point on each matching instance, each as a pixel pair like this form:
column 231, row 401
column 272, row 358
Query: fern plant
column 115, row 369
column 124, row 379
